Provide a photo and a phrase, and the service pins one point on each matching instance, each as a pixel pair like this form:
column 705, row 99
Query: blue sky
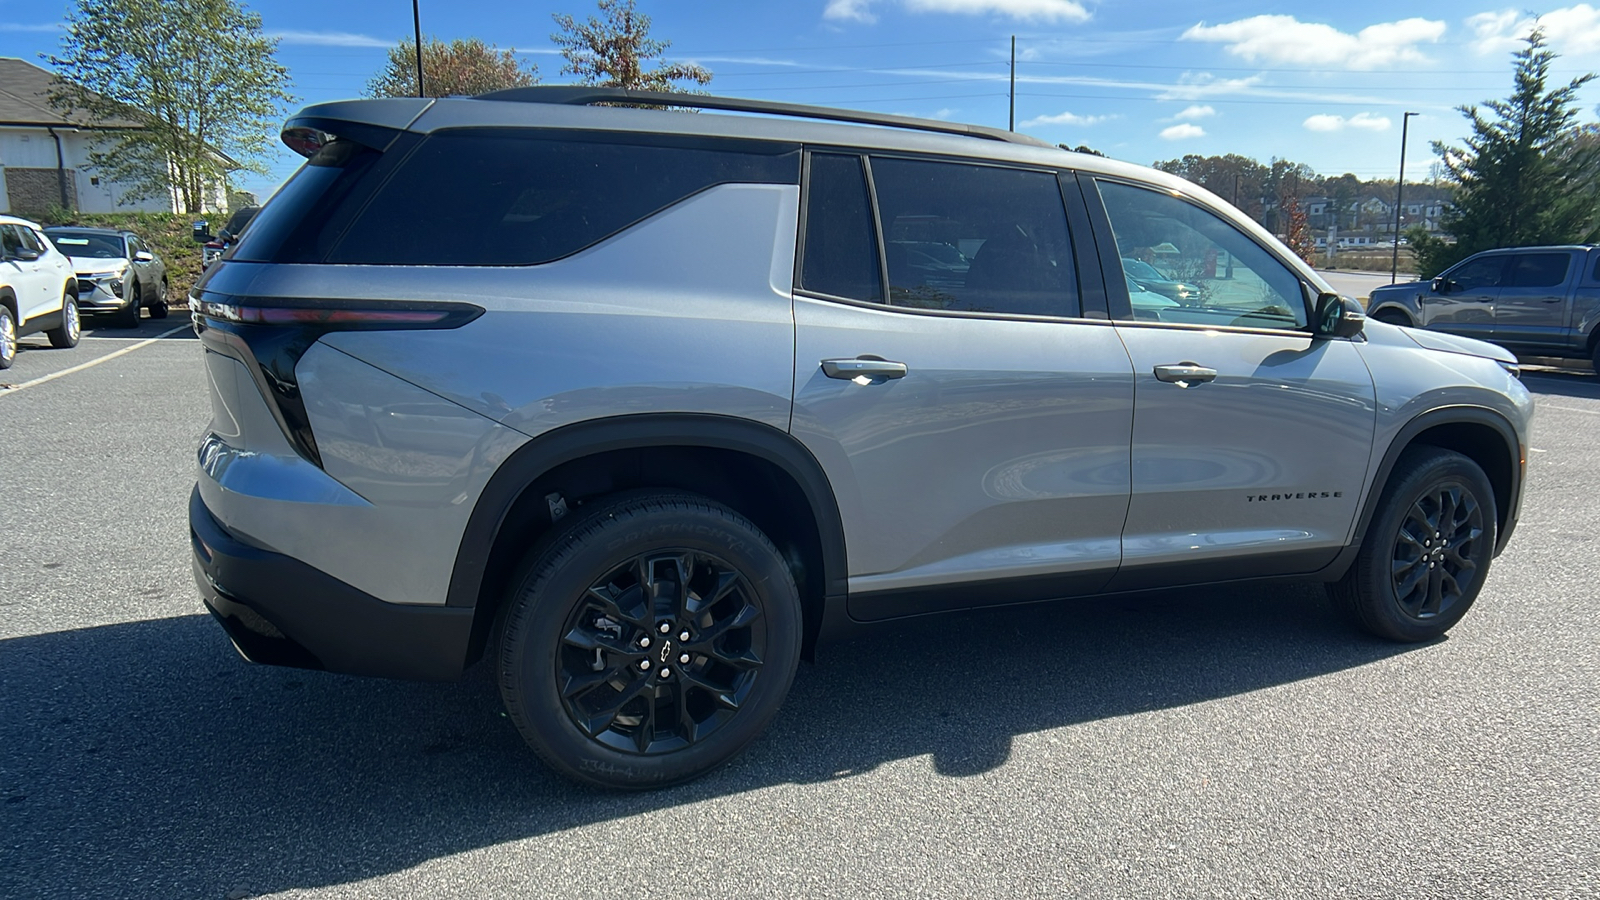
column 1324, row 84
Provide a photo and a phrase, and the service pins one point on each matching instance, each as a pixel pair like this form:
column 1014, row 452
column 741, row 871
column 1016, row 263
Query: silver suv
column 649, row 403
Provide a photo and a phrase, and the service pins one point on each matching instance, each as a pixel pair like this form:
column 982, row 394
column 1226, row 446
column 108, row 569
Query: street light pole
column 416, row 20
column 1399, row 195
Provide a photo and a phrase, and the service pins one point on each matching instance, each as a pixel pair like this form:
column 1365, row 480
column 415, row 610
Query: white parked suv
column 38, row 289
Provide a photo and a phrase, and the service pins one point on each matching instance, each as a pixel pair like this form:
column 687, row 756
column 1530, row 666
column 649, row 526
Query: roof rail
column 585, row 95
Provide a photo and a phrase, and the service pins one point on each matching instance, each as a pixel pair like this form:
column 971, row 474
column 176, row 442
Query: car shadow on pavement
column 146, row 759
column 1563, row 384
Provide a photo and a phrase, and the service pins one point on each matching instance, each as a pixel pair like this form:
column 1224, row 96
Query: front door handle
column 867, row 367
column 1185, row 374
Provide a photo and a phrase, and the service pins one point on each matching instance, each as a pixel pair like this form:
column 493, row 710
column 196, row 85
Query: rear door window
column 841, row 248
column 1536, row 270
column 973, row 238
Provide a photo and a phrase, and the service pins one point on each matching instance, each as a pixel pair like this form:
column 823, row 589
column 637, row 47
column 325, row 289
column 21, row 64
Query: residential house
column 44, row 154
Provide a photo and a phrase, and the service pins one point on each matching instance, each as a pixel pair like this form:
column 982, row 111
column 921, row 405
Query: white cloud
column 330, row 39
column 1570, row 30
column 1182, row 132
column 1065, row 118
column 40, row 28
column 849, row 11
column 1195, row 111
column 1029, row 10
column 1329, row 122
column 1285, row 40
column 1193, row 86
column 1026, row 10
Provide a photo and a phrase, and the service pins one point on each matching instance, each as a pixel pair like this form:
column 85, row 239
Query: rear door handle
column 1185, row 374
column 863, row 366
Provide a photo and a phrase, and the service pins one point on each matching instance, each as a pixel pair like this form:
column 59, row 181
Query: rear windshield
column 490, row 197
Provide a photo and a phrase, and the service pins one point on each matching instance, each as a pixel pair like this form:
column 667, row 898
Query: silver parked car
column 652, row 403
column 117, row 272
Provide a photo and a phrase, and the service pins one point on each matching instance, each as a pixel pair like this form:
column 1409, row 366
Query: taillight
column 334, row 317
column 269, row 335
column 306, row 141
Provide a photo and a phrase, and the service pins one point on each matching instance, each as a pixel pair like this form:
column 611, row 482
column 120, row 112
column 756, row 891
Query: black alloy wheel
column 1434, row 563
column 661, row 652
column 1427, row 549
column 649, row 638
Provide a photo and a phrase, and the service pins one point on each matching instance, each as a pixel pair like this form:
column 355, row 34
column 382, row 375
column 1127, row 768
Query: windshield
column 88, row 244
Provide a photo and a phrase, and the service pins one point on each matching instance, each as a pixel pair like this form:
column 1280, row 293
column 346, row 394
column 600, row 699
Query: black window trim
column 1117, row 289
column 1086, row 268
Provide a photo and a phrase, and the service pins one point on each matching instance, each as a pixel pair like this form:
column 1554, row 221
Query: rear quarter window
column 507, row 198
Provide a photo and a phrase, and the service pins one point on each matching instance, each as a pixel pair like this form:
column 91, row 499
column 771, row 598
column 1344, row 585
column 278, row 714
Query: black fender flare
column 1449, row 415
column 541, row 454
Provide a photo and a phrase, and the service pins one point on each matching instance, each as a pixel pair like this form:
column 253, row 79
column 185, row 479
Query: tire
column 65, row 336
column 1393, row 317
column 8, row 338
column 1429, row 488
column 158, row 308
column 128, row 316
column 1595, row 357
column 634, row 715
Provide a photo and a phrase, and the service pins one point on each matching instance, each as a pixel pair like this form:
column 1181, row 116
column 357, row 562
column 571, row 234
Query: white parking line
column 1592, row 412
column 18, row 388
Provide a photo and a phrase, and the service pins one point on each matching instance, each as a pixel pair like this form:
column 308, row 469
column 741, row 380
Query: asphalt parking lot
column 1238, row 742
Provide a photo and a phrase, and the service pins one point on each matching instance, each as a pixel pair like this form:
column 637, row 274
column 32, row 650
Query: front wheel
column 66, row 334
column 1427, row 550
column 650, row 641
column 8, row 338
column 128, row 317
column 1393, row 317
column 158, row 308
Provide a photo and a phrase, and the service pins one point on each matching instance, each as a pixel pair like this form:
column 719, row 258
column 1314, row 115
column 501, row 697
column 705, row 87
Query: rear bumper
column 280, row 611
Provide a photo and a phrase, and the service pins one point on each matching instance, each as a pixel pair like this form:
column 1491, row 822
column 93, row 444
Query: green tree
column 192, row 89
column 611, row 51
column 1525, row 175
column 461, row 67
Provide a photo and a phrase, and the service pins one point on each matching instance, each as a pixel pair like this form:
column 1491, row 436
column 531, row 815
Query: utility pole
column 1011, row 120
column 416, row 20
column 1399, row 194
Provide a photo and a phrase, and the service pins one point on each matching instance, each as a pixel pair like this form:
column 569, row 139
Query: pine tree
column 1524, row 176
column 612, row 52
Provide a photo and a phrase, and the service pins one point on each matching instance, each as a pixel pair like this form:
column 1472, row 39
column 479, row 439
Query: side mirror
column 1441, row 285
column 26, row 254
column 202, row 231
column 143, row 256
column 1338, row 316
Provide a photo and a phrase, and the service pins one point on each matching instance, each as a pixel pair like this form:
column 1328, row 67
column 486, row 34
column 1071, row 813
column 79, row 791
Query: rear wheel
column 1427, row 549
column 67, row 333
column 649, row 642
column 8, row 338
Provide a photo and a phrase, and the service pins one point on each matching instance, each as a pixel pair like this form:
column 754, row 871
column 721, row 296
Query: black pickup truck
column 1534, row 301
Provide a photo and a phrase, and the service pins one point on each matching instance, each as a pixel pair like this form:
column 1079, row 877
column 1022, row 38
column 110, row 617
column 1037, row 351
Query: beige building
column 44, row 154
